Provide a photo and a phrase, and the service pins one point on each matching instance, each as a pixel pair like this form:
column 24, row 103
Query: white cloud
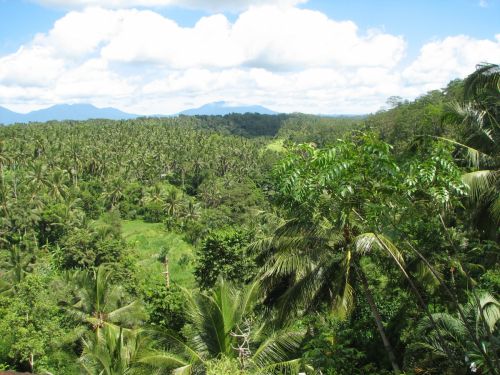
column 207, row 5
column 93, row 79
column 286, row 58
column 78, row 34
column 453, row 57
column 31, row 66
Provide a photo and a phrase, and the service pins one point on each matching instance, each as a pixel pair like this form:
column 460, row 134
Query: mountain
column 64, row 112
column 9, row 117
column 223, row 108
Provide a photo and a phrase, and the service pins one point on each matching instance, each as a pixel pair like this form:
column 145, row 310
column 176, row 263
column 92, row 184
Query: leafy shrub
column 224, row 253
column 164, row 306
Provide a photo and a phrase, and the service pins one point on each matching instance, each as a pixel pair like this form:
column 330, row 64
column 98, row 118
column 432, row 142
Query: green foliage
column 98, row 302
column 224, row 253
column 86, row 247
column 153, row 212
column 223, row 324
column 51, row 225
column 147, row 241
column 478, row 320
column 165, row 306
column 333, row 346
column 118, row 351
column 224, row 365
column 32, row 328
column 330, row 348
column 387, row 231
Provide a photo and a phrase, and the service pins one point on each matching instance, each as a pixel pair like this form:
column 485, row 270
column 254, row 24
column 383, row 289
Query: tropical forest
column 257, row 244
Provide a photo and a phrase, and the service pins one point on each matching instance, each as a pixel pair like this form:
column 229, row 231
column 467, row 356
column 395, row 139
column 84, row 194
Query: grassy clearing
column 276, row 145
column 147, row 241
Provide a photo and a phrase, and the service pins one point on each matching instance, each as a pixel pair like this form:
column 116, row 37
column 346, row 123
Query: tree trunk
column 167, row 272
column 32, row 362
column 378, row 321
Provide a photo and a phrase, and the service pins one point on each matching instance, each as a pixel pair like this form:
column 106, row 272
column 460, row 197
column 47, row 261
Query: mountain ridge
column 221, row 108
column 83, row 111
column 60, row 112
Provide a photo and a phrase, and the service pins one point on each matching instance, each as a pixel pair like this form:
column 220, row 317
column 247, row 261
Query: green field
column 276, row 145
column 147, row 241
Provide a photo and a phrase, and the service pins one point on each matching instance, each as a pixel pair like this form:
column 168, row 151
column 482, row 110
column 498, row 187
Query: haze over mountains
column 62, row 112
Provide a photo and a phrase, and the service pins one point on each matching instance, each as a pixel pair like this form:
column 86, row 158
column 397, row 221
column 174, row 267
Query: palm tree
column 37, row 176
column 155, row 195
column 98, row 302
column 483, row 314
column 172, row 203
column 18, row 264
column 119, row 351
column 223, row 324
column 191, row 210
column 114, row 192
column 56, row 184
column 318, row 264
column 342, row 201
column 4, row 159
column 478, row 118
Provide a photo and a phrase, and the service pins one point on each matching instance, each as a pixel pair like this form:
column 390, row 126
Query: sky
column 164, row 56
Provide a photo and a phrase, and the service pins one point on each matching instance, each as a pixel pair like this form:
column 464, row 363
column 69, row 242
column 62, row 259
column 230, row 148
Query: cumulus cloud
column 286, row 58
column 207, row 5
column 268, row 37
column 443, row 60
column 32, row 66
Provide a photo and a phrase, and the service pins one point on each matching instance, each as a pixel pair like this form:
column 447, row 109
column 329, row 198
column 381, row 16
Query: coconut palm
column 191, row 211
column 478, row 118
column 14, row 269
column 338, row 201
column 173, row 203
column 155, row 195
column 56, row 184
column 113, row 193
column 223, row 324
column 99, row 302
column 319, row 265
column 118, row 351
column 483, row 314
column 37, row 177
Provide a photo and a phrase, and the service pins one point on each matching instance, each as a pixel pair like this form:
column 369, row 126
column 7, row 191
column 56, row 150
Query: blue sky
column 411, row 47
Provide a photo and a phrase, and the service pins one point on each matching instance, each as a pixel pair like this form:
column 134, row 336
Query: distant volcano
column 223, row 108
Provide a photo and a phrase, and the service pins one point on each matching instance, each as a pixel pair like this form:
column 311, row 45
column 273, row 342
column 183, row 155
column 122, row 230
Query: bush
column 153, row 212
column 224, row 253
column 164, row 306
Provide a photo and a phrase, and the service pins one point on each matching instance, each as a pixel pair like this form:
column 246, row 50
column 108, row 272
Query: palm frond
column 364, row 243
column 164, row 360
column 479, row 182
column 286, row 263
column 249, row 298
column 132, row 313
column 177, row 344
column 485, row 78
column 290, row 367
column 474, row 156
column 277, row 348
column 184, row 370
column 495, row 209
column 490, row 310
